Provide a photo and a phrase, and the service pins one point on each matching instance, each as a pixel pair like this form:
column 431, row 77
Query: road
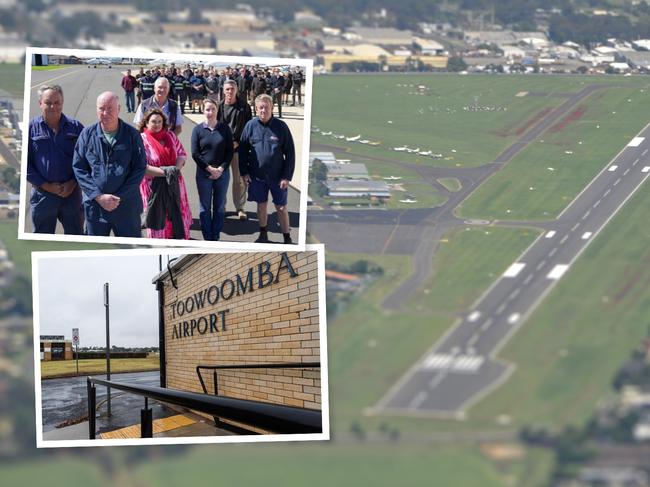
column 461, row 367
column 81, row 86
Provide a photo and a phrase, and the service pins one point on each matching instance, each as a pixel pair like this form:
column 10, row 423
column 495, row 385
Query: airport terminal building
column 242, row 325
column 55, row 347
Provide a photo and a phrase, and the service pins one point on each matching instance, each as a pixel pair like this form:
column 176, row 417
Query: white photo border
column 37, row 257
column 303, row 158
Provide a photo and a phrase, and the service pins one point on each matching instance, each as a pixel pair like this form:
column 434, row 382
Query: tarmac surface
column 67, row 399
column 81, row 86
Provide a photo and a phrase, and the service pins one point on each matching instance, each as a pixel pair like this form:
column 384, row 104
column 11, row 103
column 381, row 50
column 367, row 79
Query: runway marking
column 473, row 339
column 513, row 318
column 564, row 239
column 474, row 316
column 49, row 81
column 636, row 162
column 626, row 171
column 644, row 152
column 501, row 308
column 612, row 168
column 418, row 399
column 487, row 324
column 645, row 169
column 586, row 235
column 575, row 227
column 557, row 271
column 597, row 203
column 540, row 265
column 584, row 217
column 461, row 363
column 636, row 142
column 514, row 269
column 550, row 234
column 609, row 190
column 552, row 252
column 617, row 181
column 528, row 279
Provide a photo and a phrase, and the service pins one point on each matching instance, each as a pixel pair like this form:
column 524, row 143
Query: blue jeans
column 212, row 203
column 130, row 101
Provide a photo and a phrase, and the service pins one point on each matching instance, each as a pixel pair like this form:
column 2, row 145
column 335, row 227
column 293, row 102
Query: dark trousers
column 212, row 203
column 277, row 98
column 124, row 221
column 47, row 208
column 296, row 89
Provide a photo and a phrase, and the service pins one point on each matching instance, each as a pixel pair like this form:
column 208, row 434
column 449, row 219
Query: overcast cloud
column 71, row 296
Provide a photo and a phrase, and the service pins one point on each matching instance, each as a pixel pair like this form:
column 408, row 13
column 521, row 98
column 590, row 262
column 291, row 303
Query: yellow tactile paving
column 159, row 426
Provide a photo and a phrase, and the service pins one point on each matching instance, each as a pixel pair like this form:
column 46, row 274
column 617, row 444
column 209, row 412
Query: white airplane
column 364, row 141
column 436, row 156
column 326, row 133
column 425, row 153
column 400, row 149
column 409, row 200
column 374, row 142
column 353, row 139
column 99, row 60
column 392, row 178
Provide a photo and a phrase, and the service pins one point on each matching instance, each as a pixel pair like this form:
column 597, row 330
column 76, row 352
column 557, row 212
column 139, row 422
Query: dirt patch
column 502, row 451
column 520, row 129
column 574, row 116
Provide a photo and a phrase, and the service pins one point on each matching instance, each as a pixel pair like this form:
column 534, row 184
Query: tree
column 456, row 64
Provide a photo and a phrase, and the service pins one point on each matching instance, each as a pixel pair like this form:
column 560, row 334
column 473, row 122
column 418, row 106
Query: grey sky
column 71, row 296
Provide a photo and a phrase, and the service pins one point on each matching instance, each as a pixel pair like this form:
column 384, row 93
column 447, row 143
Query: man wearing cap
column 55, row 194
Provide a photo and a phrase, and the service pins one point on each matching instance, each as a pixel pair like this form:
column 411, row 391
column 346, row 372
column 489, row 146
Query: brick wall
column 277, row 323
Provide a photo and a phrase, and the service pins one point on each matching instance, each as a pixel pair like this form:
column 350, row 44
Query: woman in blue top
column 212, row 150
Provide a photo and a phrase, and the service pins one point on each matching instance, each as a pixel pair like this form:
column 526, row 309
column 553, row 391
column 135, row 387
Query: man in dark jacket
column 277, row 88
column 128, row 85
column 236, row 112
column 267, row 160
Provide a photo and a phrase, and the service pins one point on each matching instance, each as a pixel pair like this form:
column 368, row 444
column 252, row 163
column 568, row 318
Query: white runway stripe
column 586, row 235
column 461, row 363
column 636, row 142
column 645, row 169
column 514, row 269
column 612, row 168
column 475, row 315
column 557, row 271
column 550, row 234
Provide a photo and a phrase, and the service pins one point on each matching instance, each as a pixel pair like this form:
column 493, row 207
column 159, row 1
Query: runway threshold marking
column 474, row 316
column 557, row 271
column 514, row 269
column 636, row 142
column 460, row 363
column 612, row 168
column 550, row 234
column 645, row 169
column 586, row 235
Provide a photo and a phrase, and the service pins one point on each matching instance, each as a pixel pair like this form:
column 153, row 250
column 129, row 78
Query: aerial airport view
column 487, row 309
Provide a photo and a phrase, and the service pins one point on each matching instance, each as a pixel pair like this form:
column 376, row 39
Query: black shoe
column 263, row 238
column 287, row 239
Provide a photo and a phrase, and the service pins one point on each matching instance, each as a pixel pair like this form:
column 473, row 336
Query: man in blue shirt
column 167, row 104
column 55, row 194
column 267, row 159
column 109, row 163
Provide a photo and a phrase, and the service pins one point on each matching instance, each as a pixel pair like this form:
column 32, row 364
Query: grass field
column 47, row 68
column 98, row 366
column 20, row 250
column 12, row 78
column 545, row 177
column 443, row 119
column 452, row 184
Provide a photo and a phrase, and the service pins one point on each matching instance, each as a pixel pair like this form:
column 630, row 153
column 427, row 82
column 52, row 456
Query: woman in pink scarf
column 163, row 149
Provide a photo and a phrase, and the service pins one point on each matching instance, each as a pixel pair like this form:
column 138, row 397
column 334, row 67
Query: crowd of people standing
column 113, row 177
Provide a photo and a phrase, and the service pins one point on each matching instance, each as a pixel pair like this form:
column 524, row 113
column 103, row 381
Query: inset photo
column 183, row 150
column 164, row 346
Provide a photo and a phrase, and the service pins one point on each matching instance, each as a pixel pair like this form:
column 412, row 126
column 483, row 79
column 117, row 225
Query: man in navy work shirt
column 266, row 162
column 109, row 163
column 55, row 194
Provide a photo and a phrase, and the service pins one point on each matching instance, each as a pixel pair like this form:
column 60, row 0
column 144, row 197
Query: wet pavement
column 66, row 399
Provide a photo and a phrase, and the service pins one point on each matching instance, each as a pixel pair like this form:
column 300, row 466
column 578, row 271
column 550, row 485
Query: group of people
column 191, row 86
column 121, row 179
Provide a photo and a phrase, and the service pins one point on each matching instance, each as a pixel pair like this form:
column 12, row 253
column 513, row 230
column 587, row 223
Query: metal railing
column 214, row 368
column 270, row 417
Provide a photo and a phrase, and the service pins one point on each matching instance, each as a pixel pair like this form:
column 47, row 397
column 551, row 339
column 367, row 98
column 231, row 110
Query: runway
column 81, row 86
column 461, row 367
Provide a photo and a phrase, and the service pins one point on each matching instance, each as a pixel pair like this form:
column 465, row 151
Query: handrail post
column 92, row 401
column 217, row 421
column 146, row 420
